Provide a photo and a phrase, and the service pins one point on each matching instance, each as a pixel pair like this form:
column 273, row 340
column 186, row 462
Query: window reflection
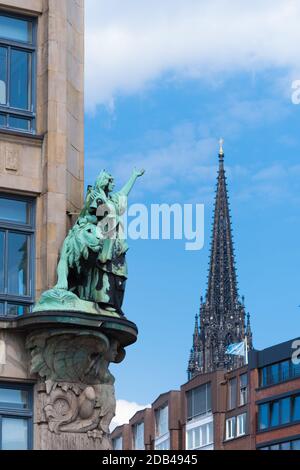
column 14, row 398
column 13, row 210
column 17, row 263
column 3, row 74
column 15, row 29
column 14, row 434
column 19, row 86
column 2, row 261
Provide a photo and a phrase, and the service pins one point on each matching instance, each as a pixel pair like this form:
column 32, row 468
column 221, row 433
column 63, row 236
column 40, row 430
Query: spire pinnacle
column 221, row 151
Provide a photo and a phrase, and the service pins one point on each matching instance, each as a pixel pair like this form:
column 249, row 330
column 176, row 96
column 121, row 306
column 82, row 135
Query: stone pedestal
column 70, row 356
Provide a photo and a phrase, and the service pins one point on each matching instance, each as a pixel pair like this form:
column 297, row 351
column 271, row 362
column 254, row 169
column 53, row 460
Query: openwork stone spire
column 222, row 314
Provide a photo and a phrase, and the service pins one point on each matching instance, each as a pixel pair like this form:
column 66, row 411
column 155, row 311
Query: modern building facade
column 275, row 398
column 41, row 180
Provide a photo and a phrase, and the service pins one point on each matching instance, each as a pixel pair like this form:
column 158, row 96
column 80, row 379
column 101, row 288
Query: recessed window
column 243, row 389
column 241, row 424
column 231, row 428
column 15, row 417
column 199, row 401
column 232, row 393
column 138, row 436
column 16, row 255
column 17, row 73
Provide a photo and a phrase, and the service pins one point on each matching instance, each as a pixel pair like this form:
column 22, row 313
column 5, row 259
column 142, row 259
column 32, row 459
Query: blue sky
column 166, row 115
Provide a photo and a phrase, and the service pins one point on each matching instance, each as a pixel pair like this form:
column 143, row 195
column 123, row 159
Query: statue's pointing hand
column 139, row 172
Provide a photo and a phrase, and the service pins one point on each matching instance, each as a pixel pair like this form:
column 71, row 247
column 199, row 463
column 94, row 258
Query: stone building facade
column 41, row 180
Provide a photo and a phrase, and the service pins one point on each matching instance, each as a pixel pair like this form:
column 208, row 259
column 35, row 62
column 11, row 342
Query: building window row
column 236, row 426
column 279, row 372
column 287, row 445
column 199, row 401
column 16, row 255
column 279, row 412
column 17, row 77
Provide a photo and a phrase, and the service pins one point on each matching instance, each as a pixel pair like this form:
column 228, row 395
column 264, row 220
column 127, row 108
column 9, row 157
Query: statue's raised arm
column 130, row 183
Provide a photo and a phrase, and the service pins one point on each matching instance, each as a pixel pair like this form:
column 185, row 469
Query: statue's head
column 84, row 236
column 104, row 182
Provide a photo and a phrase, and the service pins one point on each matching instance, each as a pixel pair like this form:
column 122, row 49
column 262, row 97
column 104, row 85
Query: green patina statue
column 92, row 269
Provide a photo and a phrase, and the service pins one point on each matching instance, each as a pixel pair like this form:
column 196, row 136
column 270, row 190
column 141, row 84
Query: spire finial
column 221, row 151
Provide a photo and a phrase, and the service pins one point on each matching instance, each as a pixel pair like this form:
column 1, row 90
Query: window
column 16, row 255
column 263, row 416
column 162, row 444
column 279, row 412
column 231, row 428
column 296, row 408
column 288, row 445
column 15, row 417
column 232, row 393
column 243, row 389
column 138, row 436
column 162, row 421
column 241, row 424
column 279, row 372
column 200, row 436
column 117, row 443
column 17, row 76
column 199, row 401
column 274, row 413
column 285, row 410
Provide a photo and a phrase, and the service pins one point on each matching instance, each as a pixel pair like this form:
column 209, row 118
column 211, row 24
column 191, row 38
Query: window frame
column 190, row 398
column 231, row 424
column 27, row 229
column 241, row 417
column 10, row 44
column 243, row 395
column 27, row 413
column 232, row 387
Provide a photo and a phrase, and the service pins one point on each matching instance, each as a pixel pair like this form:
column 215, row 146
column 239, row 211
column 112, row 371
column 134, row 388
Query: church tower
column 222, row 313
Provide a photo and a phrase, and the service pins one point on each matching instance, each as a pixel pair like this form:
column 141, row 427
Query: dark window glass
column 263, row 422
column 274, row 373
column 295, row 369
column 19, row 83
column 17, row 309
column 285, row 405
column 16, row 234
column 274, row 447
column 14, row 210
column 285, row 370
column 3, row 75
column 243, row 389
column 14, row 433
column 14, row 398
column 274, row 413
column 296, row 444
column 232, row 402
column 285, row 446
column 15, row 29
column 17, row 55
column 19, row 123
column 2, row 235
column 199, row 400
column 296, row 408
column 263, row 377
column 208, row 397
column 17, row 264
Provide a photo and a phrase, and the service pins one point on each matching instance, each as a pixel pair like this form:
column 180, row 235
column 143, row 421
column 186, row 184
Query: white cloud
column 131, row 43
column 124, row 411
